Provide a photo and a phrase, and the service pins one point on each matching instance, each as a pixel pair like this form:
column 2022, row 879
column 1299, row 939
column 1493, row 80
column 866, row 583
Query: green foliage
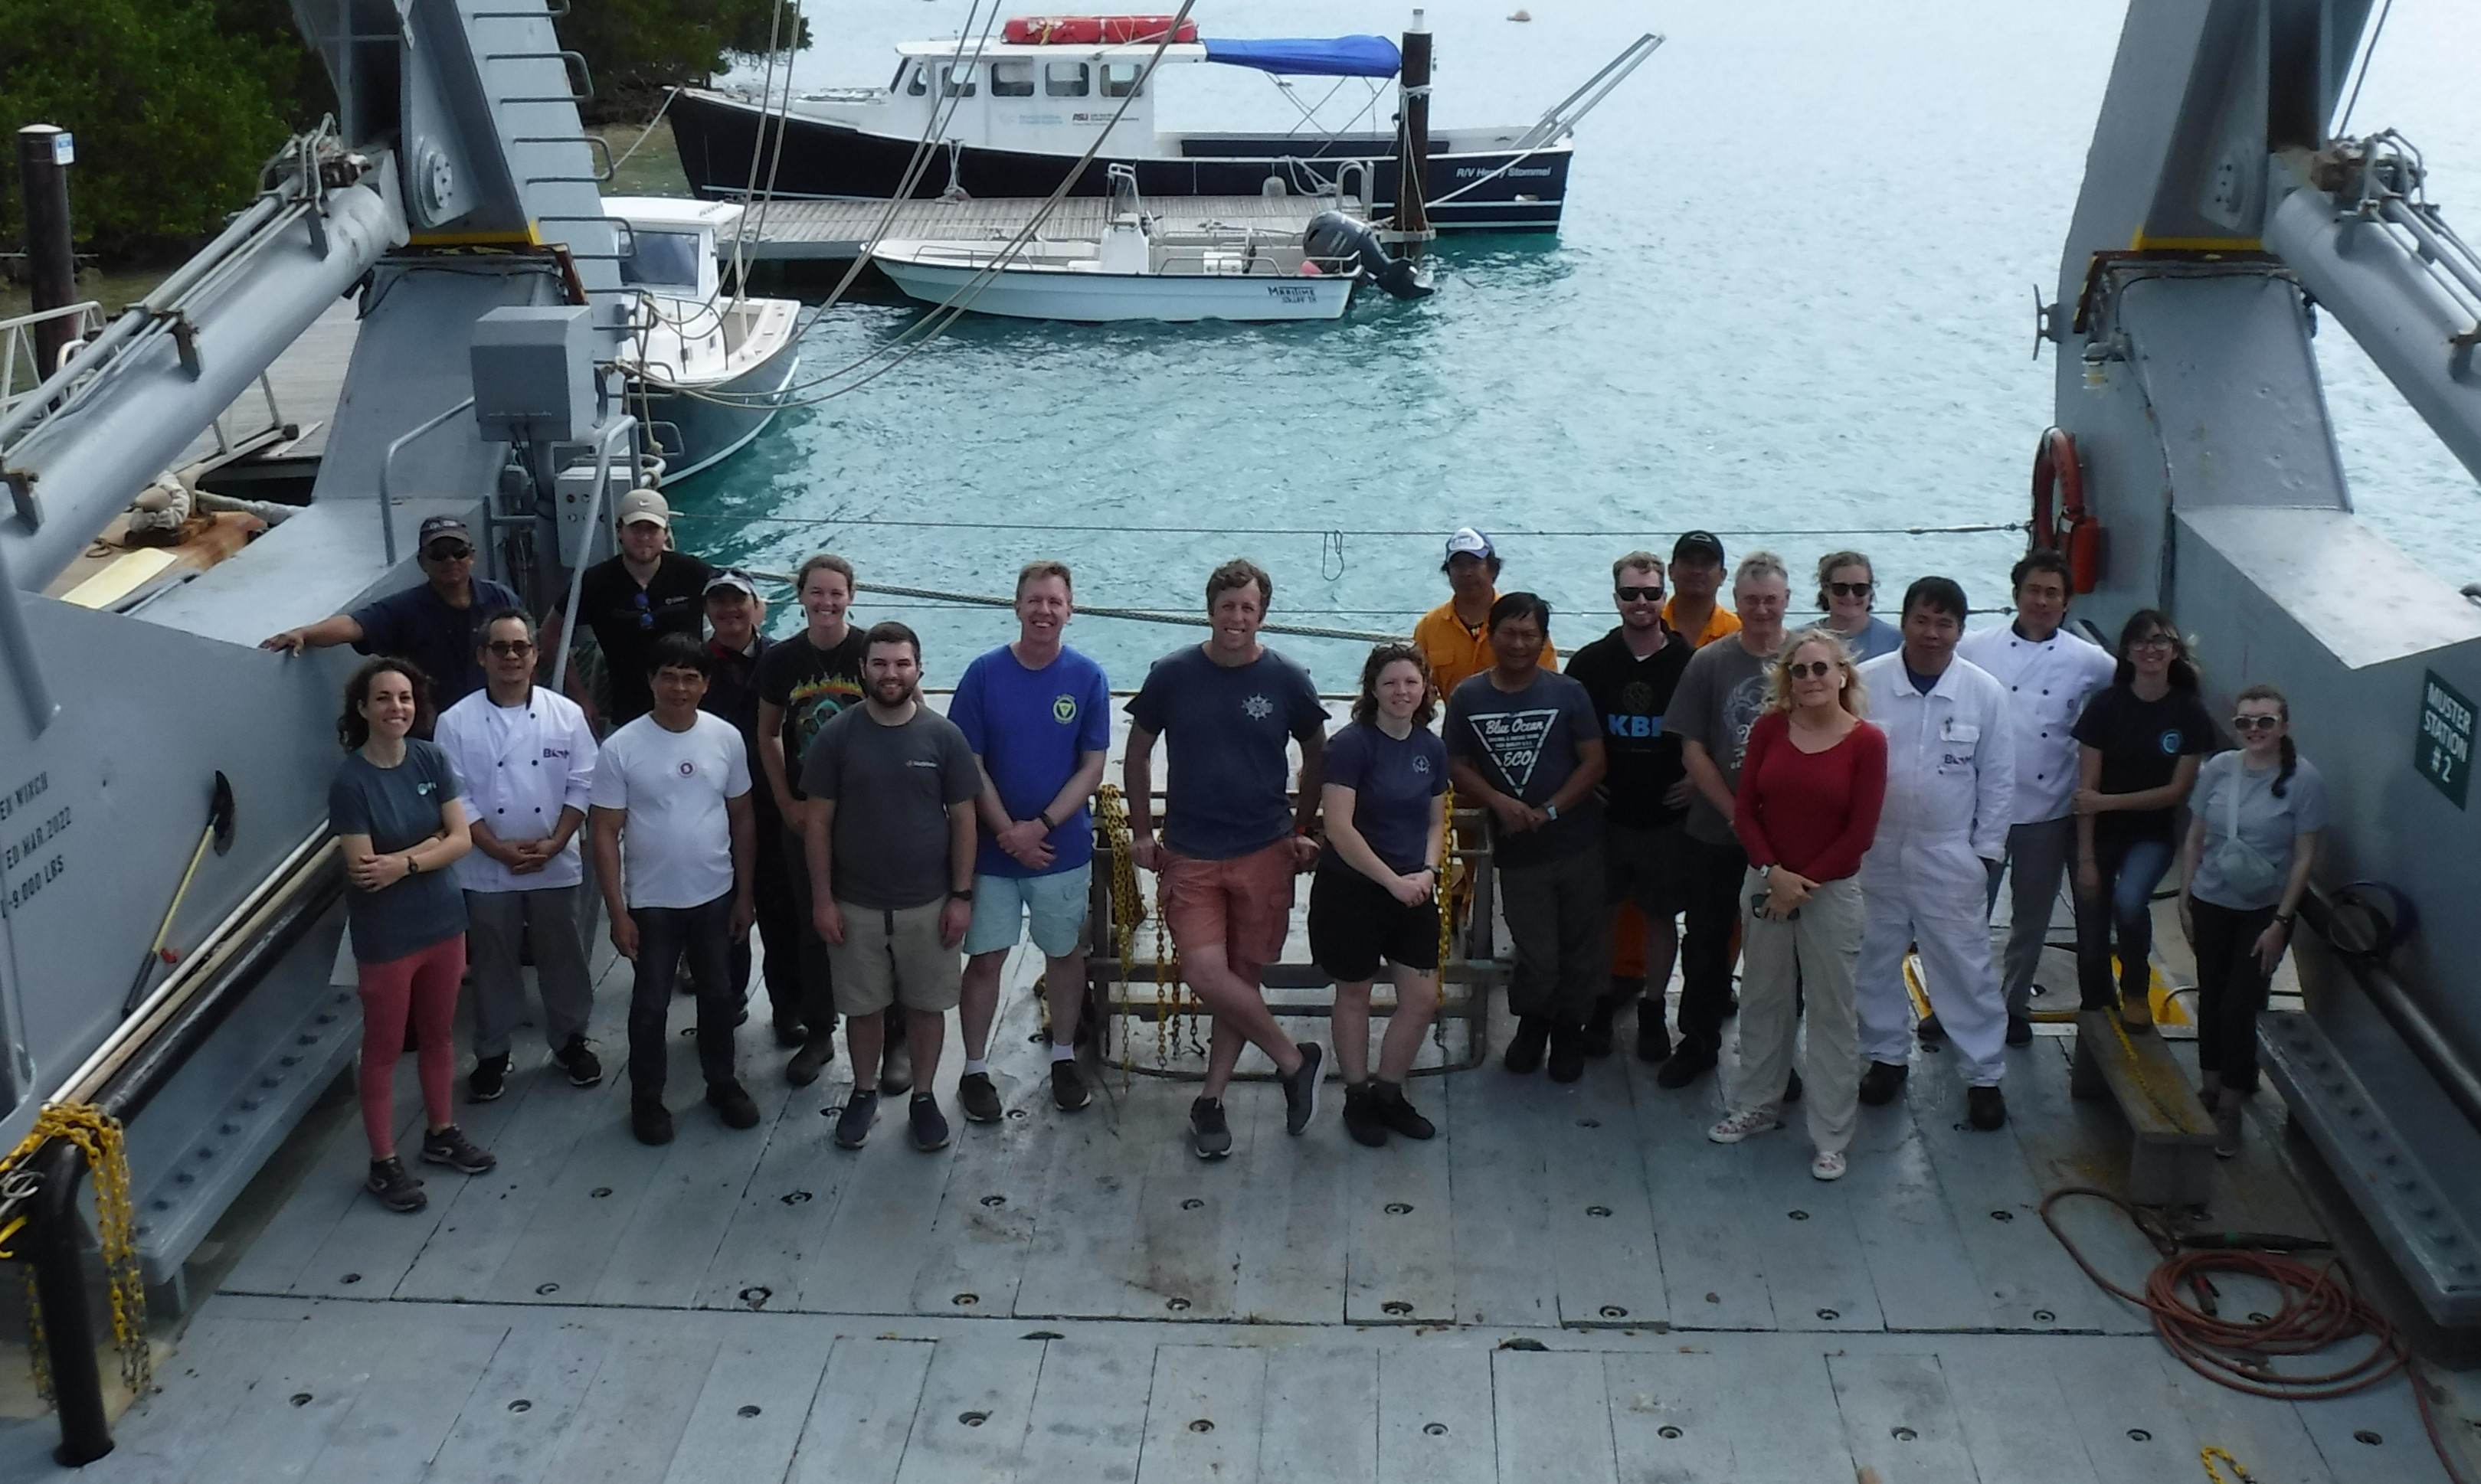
column 636, row 48
column 172, row 115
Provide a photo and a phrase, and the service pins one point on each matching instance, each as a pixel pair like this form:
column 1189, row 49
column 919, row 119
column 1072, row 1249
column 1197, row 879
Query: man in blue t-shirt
column 438, row 625
column 1233, row 840
column 1038, row 715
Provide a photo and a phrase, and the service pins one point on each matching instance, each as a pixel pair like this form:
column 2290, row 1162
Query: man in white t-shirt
column 675, row 784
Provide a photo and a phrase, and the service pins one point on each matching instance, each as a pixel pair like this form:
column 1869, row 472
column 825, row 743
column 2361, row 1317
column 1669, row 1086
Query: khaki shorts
column 893, row 958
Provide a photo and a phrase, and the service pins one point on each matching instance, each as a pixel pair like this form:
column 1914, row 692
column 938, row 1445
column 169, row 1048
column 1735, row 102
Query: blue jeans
column 665, row 935
column 2131, row 870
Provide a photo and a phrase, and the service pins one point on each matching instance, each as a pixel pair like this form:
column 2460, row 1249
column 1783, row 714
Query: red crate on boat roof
column 1092, row 30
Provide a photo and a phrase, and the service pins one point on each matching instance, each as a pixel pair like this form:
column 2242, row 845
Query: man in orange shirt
column 1454, row 636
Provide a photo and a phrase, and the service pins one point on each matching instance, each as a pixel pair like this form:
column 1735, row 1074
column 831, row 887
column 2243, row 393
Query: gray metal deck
column 834, row 231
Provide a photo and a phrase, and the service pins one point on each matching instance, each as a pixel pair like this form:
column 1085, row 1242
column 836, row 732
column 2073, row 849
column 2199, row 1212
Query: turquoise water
column 1793, row 293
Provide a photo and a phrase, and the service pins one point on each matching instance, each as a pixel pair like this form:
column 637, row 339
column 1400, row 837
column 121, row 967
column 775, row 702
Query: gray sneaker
column 1209, row 1134
column 396, row 1190
column 852, row 1125
column 1301, row 1089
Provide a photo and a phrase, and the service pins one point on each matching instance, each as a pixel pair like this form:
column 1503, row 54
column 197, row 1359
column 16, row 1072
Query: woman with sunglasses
column 396, row 812
column 2138, row 747
column 1846, row 583
column 1811, row 784
column 2251, row 838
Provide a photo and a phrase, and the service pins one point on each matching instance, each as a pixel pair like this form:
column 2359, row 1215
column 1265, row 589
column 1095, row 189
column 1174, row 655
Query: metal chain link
column 98, row 1137
column 1112, row 817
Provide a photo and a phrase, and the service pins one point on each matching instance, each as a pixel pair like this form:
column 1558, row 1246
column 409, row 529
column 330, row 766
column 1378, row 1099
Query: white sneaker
column 1828, row 1166
column 1742, row 1125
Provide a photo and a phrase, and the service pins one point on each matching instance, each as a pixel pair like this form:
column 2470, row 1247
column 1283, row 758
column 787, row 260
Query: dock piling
column 43, row 155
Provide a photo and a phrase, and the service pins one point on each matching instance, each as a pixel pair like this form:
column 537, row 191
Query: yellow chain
column 2208, row 1455
column 1447, row 899
column 98, row 1135
column 1111, row 815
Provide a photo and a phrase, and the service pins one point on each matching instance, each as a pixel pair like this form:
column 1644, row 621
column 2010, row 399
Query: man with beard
column 890, row 833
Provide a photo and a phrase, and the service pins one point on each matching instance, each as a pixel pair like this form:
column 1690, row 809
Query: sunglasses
column 445, row 552
column 646, row 613
column 1653, row 594
column 2245, row 724
column 1809, row 669
column 510, row 648
column 1851, row 590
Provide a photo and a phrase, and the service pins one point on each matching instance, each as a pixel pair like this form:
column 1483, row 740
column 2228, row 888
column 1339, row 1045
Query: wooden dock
column 834, row 231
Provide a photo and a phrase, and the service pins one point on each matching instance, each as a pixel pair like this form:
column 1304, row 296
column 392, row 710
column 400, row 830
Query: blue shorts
column 1055, row 903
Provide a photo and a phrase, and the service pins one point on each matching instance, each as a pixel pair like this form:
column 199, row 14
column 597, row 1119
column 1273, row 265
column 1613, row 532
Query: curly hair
column 1855, row 697
column 353, row 729
column 1365, row 705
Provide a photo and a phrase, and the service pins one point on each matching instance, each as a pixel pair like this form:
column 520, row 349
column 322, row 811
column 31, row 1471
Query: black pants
column 1712, row 897
column 779, row 925
column 2231, row 989
column 816, row 998
column 667, row 937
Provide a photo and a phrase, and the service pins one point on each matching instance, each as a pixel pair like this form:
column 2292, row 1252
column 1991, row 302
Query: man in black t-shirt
column 737, row 614
column 633, row 598
column 1630, row 674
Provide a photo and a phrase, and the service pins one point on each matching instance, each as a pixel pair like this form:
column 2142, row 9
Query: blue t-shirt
column 1031, row 728
column 1224, row 729
column 398, row 808
column 1395, row 785
column 417, row 624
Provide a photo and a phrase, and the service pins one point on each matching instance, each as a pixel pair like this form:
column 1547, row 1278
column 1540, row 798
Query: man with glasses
column 629, row 600
column 1630, row 674
column 527, row 759
column 438, row 625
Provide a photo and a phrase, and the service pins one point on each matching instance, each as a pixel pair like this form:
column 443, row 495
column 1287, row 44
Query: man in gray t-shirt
column 890, row 839
column 1721, row 695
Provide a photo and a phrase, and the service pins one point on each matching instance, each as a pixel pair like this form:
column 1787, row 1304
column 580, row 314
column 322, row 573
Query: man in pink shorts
column 1233, row 841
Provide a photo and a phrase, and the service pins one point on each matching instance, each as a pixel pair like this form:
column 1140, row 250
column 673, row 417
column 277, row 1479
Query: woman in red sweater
column 1810, row 784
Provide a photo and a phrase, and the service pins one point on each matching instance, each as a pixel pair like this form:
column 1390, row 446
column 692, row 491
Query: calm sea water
column 1791, row 303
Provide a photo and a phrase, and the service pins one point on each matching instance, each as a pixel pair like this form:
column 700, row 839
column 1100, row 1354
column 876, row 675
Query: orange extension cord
column 2320, row 1307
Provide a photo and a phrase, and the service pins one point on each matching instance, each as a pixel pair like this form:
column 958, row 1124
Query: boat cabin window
column 1011, row 79
column 919, row 83
column 1120, row 78
column 661, row 260
column 1067, row 79
column 957, row 80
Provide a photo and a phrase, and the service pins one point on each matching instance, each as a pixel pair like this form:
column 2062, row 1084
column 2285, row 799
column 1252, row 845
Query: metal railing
column 17, row 345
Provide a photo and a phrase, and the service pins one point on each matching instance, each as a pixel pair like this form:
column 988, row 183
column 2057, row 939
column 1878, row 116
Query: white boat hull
column 1094, row 297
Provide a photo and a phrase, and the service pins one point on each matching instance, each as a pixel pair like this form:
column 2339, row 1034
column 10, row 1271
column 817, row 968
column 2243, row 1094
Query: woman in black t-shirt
column 2140, row 743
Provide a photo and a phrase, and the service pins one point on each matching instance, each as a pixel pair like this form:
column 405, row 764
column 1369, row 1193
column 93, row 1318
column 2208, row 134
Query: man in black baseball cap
column 1693, row 612
column 437, row 625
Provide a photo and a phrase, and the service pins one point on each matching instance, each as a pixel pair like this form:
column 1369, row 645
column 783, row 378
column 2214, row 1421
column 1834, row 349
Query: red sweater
column 1814, row 813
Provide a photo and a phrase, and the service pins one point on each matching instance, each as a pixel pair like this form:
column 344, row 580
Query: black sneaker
column 1929, row 1029
column 2020, row 1031
column 1653, row 1036
column 1567, row 1054
column 650, row 1121
column 1524, row 1047
column 396, row 1190
column 790, row 1033
column 1685, row 1066
column 1985, row 1108
column 929, row 1125
column 1301, row 1089
column 733, row 1104
column 450, row 1147
column 1209, row 1134
column 1791, row 1086
column 1361, row 1117
column 583, row 1067
column 1598, row 1027
column 1397, row 1113
column 980, row 1099
column 1882, row 1081
column 852, row 1125
column 489, row 1080
column 1068, row 1091
column 811, row 1059
column 896, row 1061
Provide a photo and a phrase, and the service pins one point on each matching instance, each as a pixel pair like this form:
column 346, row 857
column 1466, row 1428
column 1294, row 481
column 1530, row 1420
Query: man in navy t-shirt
column 438, row 625
column 1038, row 715
column 1233, row 841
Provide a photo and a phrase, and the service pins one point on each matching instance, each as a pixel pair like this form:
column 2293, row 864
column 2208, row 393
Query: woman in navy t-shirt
column 1376, row 893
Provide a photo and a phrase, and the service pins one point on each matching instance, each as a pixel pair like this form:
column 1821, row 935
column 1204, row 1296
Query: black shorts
column 1354, row 923
column 1648, row 867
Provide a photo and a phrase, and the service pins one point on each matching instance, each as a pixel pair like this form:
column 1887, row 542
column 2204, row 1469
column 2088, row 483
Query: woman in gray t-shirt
column 2253, row 829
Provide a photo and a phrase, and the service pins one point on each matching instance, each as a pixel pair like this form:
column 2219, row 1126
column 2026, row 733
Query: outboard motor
column 1332, row 235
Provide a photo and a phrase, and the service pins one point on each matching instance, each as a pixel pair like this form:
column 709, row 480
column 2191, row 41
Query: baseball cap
column 1467, row 542
column 731, row 579
column 438, row 526
column 1698, row 543
column 645, row 505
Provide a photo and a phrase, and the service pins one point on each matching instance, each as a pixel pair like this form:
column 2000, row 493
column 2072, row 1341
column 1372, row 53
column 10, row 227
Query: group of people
column 1818, row 803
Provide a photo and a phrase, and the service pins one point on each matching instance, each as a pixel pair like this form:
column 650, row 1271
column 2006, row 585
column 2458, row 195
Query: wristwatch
column 967, row 895
column 1044, row 819
column 412, row 867
column 1767, row 872
column 1550, row 811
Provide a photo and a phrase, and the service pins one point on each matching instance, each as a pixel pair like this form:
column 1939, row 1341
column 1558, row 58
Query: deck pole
column 1413, row 170
column 43, row 156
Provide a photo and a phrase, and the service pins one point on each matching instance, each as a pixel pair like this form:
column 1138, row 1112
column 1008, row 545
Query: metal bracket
column 22, row 494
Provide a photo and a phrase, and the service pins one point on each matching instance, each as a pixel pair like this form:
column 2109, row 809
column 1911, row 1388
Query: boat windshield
column 663, row 260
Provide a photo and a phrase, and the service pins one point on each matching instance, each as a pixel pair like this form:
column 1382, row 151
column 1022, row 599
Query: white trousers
column 1935, row 898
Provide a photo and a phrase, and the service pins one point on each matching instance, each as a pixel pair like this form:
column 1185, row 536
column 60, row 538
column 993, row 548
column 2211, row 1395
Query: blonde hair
column 1855, row 696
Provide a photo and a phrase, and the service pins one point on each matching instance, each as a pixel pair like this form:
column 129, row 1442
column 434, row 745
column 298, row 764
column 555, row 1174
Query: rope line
column 1977, row 528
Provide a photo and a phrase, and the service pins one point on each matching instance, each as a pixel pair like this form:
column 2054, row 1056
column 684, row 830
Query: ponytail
column 2290, row 761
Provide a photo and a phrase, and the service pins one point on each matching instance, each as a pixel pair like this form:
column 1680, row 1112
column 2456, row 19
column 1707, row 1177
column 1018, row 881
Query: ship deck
column 836, row 231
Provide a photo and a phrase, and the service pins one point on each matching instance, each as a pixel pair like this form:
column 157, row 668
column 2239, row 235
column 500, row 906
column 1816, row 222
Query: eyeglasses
column 445, row 552
column 1851, row 590
column 1653, row 594
column 1817, row 669
column 510, row 648
column 2156, row 642
column 2255, row 724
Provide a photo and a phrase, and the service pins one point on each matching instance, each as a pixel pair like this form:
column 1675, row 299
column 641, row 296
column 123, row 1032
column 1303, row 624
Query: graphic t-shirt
column 1224, row 729
column 2141, row 744
column 1396, row 786
column 1721, row 695
column 419, row 625
column 2269, row 825
column 892, row 786
column 398, row 808
column 676, row 845
column 627, row 619
column 1031, row 728
column 1632, row 697
column 1526, row 744
column 809, row 685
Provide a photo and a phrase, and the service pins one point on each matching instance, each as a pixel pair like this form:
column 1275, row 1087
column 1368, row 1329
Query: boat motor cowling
column 1334, row 236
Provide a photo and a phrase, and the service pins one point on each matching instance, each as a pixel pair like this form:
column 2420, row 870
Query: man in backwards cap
column 1454, row 636
column 438, row 625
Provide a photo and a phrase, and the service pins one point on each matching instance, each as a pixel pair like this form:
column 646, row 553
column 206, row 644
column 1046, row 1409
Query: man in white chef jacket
column 526, row 756
column 1950, row 788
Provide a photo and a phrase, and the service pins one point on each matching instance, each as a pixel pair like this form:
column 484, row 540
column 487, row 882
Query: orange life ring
column 2066, row 526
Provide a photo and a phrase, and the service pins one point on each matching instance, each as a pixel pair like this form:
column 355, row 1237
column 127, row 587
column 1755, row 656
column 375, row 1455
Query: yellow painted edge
column 2168, row 1009
column 530, row 237
column 121, row 577
column 2138, row 242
